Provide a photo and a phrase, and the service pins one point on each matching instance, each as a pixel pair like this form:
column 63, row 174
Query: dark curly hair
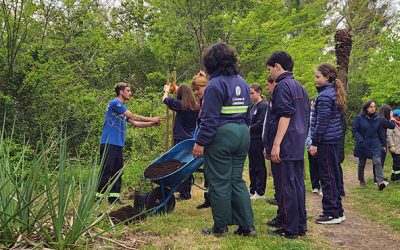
column 220, row 58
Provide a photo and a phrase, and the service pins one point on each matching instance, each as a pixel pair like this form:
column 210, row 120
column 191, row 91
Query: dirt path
column 356, row 232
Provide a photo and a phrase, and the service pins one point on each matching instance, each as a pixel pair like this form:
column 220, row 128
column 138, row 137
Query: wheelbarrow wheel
column 154, row 199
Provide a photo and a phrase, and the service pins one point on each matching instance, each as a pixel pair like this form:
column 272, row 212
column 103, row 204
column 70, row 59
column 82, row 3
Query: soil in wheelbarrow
column 128, row 214
column 164, row 168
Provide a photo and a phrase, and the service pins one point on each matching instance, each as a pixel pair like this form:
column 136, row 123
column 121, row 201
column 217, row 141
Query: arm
column 356, row 130
column 134, row 117
column 166, row 92
column 281, row 131
column 390, row 138
column 143, row 124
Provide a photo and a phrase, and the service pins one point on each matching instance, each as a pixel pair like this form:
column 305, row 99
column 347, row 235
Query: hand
column 392, row 149
column 167, row 88
column 198, row 151
column 202, row 73
column 313, row 150
column 276, row 149
column 156, row 120
column 266, row 155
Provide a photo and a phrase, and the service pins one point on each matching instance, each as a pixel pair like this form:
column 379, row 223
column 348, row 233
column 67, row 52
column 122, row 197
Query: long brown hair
column 257, row 88
column 329, row 71
column 185, row 94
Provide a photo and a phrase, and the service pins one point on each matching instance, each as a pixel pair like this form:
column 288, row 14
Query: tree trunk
column 343, row 44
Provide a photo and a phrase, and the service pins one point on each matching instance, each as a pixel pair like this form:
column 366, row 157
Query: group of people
column 234, row 121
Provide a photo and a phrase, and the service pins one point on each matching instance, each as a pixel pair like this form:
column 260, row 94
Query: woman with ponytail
column 257, row 169
column 326, row 132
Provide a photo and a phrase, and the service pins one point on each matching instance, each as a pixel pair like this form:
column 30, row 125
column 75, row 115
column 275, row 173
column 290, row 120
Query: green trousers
column 224, row 161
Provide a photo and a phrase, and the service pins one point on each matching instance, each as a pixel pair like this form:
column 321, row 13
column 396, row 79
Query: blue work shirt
column 114, row 126
column 289, row 99
column 226, row 100
column 185, row 120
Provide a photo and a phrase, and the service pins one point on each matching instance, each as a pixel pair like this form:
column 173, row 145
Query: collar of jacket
column 326, row 86
column 286, row 74
column 373, row 117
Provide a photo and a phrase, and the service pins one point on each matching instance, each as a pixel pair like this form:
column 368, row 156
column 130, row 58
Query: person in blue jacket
column 367, row 132
column 387, row 120
column 257, row 169
column 223, row 140
column 187, row 111
column 326, row 133
column 112, row 140
column 286, row 131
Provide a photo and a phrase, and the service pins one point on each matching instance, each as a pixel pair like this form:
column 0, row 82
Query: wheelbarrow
column 162, row 199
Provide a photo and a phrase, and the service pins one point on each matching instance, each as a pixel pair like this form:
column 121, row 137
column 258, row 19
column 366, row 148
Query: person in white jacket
column 394, row 145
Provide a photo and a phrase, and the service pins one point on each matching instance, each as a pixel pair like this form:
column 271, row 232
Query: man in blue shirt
column 113, row 140
column 286, row 131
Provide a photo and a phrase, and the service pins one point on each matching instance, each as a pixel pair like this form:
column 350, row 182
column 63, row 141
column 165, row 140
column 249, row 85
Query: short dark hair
column 269, row 79
column 281, row 57
column 220, row 58
column 120, row 86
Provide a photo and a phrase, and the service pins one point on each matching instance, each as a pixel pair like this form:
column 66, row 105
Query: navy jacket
column 257, row 115
column 385, row 126
column 367, row 132
column 226, row 100
column 326, row 125
column 289, row 99
column 185, row 120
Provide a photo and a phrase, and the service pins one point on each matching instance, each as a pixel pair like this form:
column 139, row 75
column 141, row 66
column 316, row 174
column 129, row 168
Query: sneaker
column 321, row 194
column 256, row 197
column 116, row 201
column 315, row 190
column 246, row 231
column 282, row 233
column 328, row 220
column 204, row 205
column 342, row 218
column 274, row 223
column 272, row 202
column 219, row 232
column 183, row 198
column 382, row 185
column 363, row 184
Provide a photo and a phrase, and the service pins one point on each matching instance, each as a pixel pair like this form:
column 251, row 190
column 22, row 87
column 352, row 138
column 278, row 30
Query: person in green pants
column 223, row 140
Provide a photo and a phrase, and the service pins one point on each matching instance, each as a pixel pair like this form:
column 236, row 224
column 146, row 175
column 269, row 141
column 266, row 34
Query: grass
column 382, row 207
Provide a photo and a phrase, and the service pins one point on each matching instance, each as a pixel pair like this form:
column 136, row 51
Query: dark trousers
column 341, row 182
column 185, row 187
column 329, row 173
column 396, row 167
column 257, row 169
column 292, row 199
column 112, row 163
column 224, row 161
column 314, row 173
column 275, row 169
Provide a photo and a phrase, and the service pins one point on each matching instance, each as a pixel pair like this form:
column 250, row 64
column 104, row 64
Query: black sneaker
column 282, row 233
column 328, row 220
column 246, row 231
column 382, row 185
column 204, row 205
column 183, row 198
column 219, row 232
column 274, row 223
column 116, row 201
column 272, row 202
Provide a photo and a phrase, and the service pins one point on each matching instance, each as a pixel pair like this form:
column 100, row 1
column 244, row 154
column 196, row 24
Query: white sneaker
column 257, row 197
column 321, row 194
column 315, row 190
column 342, row 218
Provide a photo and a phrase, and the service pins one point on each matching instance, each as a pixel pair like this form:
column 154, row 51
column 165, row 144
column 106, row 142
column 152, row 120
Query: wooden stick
column 173, row 113
column 166, row 145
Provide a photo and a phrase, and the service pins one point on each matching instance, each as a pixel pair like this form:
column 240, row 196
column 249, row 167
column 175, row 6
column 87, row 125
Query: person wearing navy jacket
column 326, row 134
column 223, row 140
column 257, row 169
column 367, row 132
column 286, row 131
column 187, row 111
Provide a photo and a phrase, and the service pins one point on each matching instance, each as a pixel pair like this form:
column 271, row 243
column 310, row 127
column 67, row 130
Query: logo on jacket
column 238, row 91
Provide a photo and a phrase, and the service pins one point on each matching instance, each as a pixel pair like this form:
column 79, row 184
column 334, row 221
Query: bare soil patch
column 356, row 232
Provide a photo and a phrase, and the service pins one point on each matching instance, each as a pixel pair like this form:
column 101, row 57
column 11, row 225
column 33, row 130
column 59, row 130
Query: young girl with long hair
column 326, row 131
column 187, row 111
